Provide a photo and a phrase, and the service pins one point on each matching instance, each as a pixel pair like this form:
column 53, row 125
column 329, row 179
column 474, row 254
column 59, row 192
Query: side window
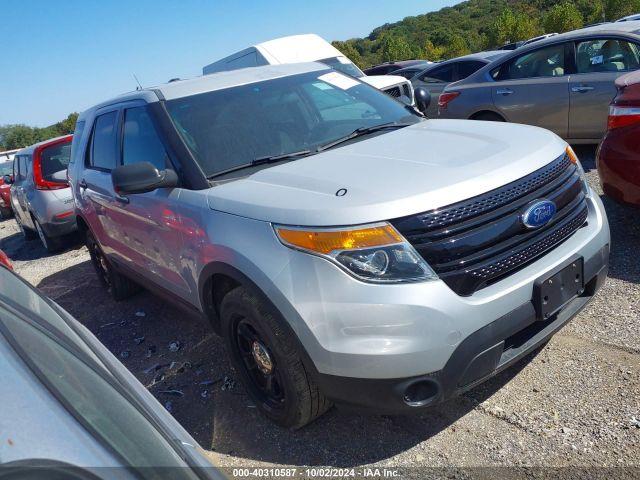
column 467, row 68
column 545, row 62
column 606, row 55
column 77, row 136
column 104, row 142
column 22, row 167
column 140, row 142
column 16, row 167
column 438, row 75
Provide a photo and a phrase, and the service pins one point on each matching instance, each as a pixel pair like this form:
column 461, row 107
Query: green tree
column 457, row 47
column 394, row 48
column 563, row 17
column 349, row 51
column 19, row 136
column 513, row 27
column 615, row 9
column 433, row 52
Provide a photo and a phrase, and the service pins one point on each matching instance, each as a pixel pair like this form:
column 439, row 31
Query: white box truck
column 309, row 48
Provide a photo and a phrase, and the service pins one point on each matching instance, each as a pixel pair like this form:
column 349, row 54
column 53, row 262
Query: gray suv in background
column 346, row 249
column 563, row 83
column 40, row 194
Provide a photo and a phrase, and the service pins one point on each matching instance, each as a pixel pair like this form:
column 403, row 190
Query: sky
column 57, row 57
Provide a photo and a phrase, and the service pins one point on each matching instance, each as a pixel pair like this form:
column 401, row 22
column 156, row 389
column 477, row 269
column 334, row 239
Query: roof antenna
column 139, row 87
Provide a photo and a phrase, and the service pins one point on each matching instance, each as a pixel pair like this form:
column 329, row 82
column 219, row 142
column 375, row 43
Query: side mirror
column 7, row 179
column 141, row 178
column 423, row 98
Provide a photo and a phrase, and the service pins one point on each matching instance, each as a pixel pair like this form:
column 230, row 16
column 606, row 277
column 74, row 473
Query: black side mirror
column 8, row 179
column 141, row 178
column 423, row 98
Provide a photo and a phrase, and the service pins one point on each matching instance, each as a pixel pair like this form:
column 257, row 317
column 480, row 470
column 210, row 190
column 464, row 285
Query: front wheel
column 118, row 286
column 267, row 359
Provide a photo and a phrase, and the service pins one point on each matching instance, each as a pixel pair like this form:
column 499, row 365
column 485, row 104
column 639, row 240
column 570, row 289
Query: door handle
column 83, row 184
column 122, row 199
column 504, row 91
column 582, row 88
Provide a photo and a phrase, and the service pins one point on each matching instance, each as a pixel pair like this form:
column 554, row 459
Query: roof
column 211, row 82
column 31, row 148
column 614, row 28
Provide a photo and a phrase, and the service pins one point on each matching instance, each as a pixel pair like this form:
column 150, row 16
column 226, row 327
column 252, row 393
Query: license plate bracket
column 555, row 290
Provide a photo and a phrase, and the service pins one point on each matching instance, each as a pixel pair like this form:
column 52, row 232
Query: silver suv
column 40, row 196
column 348, row 250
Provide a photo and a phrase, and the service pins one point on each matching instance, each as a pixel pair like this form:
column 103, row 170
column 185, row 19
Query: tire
column 488, row 117
column 6, row 213
column 118, row 286
column 27, row 233
column 294, row 400
column 51, row 244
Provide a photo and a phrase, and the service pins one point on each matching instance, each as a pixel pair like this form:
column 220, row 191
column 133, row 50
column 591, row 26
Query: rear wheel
column 488, row 116
column 119, row 286
column 51, row 244
column 27, row 233
column 268, row 361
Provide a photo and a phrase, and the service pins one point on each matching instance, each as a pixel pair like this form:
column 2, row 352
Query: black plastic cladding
column 454, row 240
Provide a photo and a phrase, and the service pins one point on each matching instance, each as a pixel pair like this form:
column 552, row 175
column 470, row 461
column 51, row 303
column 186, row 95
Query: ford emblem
column 538, row 213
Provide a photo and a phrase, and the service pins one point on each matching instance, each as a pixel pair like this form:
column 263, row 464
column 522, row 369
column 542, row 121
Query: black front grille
column 476, row 242
column 394, row 92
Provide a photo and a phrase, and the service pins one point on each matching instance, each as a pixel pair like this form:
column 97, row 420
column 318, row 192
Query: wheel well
column 82, row 225
column 215, row 288
column 486, row 113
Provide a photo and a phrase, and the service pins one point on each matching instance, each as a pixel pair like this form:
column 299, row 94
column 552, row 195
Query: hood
column 383, row 81
column 425, row 166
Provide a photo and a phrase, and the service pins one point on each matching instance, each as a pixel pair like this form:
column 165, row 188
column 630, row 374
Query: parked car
column 409, row 72
column 438, row 75
column 629, row 18
column 563, row 83
column 521, row 43
column 5, row 260
column 309, row 48
column 70, row 408
column 6, row 169
column 618, row 156
column 391, row 67
column 7, row 155
column 346, row 249
column 40, row 194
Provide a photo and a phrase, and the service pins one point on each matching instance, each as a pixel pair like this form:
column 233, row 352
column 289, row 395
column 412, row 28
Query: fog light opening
column 420, row 393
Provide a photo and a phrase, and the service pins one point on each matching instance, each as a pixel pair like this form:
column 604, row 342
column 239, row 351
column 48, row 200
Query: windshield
column 235, row 126
column 343, row 65
column 6, row 168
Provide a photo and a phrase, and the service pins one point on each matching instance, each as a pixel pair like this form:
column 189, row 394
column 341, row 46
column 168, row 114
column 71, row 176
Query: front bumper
column 477, row 358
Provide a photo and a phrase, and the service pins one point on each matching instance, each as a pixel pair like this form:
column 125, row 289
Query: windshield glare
column 343, row 65
column 232, row 127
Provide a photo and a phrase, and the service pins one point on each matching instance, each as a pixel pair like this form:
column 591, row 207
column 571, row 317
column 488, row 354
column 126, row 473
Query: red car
column 4, row 260
column 618, row 157
column 6, row 168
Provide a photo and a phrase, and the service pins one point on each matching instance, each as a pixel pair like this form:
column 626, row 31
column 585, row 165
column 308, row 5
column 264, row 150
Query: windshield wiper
column 358, row 132
column 263, row 161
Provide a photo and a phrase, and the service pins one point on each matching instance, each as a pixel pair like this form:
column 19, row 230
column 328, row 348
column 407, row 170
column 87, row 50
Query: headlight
column 373, row 253
column 574, row 159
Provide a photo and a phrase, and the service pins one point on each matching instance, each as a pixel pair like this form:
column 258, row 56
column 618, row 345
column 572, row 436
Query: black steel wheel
column 266, row 355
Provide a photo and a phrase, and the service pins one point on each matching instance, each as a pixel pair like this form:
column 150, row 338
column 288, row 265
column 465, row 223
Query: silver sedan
column 563, row 83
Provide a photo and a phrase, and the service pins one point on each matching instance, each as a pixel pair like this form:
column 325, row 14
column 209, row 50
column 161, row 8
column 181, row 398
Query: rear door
column 18, row 195
column 598, row 63
column 532, row 88
column 435, row 80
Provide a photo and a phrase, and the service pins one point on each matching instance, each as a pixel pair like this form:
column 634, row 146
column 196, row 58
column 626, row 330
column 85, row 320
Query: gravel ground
column 574, row 403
